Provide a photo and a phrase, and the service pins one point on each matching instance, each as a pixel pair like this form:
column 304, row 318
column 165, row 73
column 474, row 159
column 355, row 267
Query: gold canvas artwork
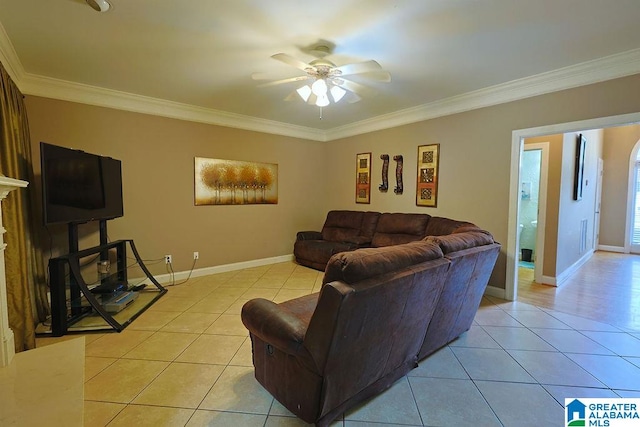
column 233, row 182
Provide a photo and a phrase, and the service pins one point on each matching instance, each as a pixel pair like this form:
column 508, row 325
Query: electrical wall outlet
column 196, row 255
column 167, row 259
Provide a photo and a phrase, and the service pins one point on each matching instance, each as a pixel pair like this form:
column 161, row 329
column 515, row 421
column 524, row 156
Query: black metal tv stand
column 76, row 305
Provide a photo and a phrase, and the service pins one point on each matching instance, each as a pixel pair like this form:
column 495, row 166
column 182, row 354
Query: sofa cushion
column 459, row 241
column 369, row 224
column 341, row 226
column 301, row 307
column 319, row 251
column 399, row 228
column 352, row 267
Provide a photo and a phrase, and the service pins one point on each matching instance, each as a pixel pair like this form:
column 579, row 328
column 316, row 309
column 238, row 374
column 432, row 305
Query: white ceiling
column 194, row 59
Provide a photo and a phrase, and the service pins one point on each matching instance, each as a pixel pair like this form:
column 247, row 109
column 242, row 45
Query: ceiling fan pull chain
column 320, row 113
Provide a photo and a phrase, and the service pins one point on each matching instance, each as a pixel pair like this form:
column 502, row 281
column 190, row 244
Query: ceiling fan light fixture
column 319, row 88
column 304, row 92
column 325, row 82
column 337, row 93
column 99, row 5
column 323, row 100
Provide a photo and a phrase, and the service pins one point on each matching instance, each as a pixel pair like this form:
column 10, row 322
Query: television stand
column 92, row 300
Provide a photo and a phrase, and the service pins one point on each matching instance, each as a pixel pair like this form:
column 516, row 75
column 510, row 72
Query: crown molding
column 77, row 92
column 598, row 70
column 48, row 87
column 9, row 58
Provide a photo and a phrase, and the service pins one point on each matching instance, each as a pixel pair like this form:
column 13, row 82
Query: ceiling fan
column 325, row 81
column 99, row 5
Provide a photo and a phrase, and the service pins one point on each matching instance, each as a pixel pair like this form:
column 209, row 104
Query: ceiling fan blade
column 290, row 60
column 354, row 87
column 259, row 76
column 292, row 96
column 352, row 98
column 289, row 80
column 359, row 67
column 379, row 76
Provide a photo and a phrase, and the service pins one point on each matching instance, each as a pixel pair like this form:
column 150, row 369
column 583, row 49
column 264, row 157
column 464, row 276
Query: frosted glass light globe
column 319, row 88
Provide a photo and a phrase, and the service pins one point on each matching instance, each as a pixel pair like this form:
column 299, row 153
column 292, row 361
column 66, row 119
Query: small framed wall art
column 578, row 176
column 427, row 187
column 363, row 178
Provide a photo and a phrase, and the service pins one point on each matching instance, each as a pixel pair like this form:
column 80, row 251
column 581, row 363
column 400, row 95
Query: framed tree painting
column 427, row 185
column 363, row 178
column 232, row 182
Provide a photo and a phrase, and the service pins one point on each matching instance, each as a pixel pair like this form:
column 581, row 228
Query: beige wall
column 618, row 144
column 157, row 155
column 475, row 149
column 572, row 212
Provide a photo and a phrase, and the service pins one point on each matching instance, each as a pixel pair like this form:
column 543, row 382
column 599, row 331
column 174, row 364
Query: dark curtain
column 23, row 259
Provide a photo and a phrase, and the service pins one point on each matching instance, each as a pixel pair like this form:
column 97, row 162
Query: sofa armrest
column 309, row 235
column 274, row 325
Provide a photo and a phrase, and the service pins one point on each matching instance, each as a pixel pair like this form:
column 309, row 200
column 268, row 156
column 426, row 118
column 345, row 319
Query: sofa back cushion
column 466, row 282
column 369, row 224
column 398, row 228
column 439, row 226
column 362, row 332
column 459, row 241
column 355, row 266
column 342, row 226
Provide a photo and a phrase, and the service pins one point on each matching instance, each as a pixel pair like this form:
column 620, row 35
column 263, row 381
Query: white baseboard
column 562, row 277
column 493, row 291
column 7, row 347
column 607, row 248
column 548, row 280
column 182, row 275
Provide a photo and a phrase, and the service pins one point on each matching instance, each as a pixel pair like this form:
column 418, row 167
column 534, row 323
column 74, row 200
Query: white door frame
column 598, row 205
column 517, row 143
column 542, row 207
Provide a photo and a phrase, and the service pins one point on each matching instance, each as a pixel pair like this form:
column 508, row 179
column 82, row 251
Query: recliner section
column 380, row 311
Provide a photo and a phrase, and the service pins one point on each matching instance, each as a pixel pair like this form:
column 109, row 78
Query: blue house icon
column 575, row 410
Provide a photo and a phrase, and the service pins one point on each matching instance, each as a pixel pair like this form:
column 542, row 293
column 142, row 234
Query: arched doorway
column 633, row 216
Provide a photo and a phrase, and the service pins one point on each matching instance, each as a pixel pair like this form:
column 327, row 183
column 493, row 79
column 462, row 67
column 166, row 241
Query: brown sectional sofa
column 346, row 230
column 380, row 311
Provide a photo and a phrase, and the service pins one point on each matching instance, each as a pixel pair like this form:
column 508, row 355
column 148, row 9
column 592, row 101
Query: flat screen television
column 79, row 187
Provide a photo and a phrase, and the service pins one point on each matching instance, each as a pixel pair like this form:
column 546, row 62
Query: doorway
column 517, row 148
column 533, row 205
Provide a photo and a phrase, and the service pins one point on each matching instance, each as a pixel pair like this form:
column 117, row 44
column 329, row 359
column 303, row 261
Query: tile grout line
column 606, row 387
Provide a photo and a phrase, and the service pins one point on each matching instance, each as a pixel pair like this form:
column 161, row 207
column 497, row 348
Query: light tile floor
column 187, row 362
